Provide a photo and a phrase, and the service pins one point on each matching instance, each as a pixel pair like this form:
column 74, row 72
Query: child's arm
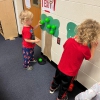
column 32, row 41
column 37, row 25
column 93, row 48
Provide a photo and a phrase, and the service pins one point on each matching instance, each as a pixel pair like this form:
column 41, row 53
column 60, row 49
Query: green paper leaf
column 71, row 29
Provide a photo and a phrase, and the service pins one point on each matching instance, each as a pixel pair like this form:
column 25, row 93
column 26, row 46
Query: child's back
column 75, row 50
column 72, row 57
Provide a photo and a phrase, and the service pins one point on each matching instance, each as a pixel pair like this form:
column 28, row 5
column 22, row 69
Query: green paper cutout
column 71, row 29
column 89, row 45
column 52, row 22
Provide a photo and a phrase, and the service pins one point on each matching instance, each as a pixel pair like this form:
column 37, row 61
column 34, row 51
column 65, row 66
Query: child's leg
column 26, row 56
column 65, row 82
column 71, row 86
column 56, row 81
column 32, row 54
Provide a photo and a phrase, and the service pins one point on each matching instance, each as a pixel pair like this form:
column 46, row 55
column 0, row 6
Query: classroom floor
column 19, row 84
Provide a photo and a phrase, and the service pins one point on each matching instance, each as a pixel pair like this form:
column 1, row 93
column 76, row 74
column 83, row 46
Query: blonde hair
column 25, row 15
column 88, row 31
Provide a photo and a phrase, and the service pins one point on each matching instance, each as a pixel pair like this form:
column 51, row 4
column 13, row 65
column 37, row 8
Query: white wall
column 76, row 11
column 18, row 8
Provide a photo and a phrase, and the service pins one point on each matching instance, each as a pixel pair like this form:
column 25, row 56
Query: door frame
column 31, row 9
column 18, row 3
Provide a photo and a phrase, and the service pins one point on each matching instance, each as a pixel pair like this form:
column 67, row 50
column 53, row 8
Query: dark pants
column 63, row 81
column 28, row 55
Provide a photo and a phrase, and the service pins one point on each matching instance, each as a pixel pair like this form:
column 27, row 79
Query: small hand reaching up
column 39, row 23
column 94, row 44
column 93, row 47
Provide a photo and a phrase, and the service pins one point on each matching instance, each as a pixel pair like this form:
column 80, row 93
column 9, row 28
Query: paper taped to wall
column 48, row 5
column 28, row 4
column 48, row 45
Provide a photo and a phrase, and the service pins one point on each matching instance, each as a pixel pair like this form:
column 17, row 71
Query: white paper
column 28, row 4
column 50, row 8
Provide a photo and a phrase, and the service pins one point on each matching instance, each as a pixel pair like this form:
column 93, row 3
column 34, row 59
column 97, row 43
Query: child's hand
column 37, row 40
column 39, row 23
column 94, row 44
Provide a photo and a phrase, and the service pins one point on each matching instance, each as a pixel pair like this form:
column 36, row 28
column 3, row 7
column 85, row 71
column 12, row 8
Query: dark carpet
column 19, row 84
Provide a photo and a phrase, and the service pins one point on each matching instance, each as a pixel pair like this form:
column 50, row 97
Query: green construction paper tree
column 71, row 29
column 50, row 25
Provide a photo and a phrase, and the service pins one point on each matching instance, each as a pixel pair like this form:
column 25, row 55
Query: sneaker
column 33, row 61
column 66, row 98
column 53, row 90
column 29, row 68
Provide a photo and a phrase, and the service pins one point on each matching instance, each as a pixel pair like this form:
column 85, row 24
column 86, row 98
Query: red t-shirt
column 72, row 57
column 27, row 34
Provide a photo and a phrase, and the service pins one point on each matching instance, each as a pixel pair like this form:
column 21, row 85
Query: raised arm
column 93, row 48
column 37, row 25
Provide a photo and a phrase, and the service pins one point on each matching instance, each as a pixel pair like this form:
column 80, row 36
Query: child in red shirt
column 75, row 51
column 29, row 40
